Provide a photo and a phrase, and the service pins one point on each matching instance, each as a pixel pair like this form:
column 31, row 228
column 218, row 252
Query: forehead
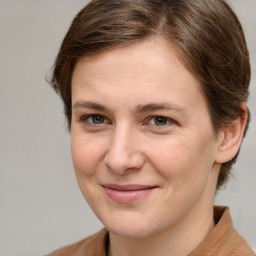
column 143, row 71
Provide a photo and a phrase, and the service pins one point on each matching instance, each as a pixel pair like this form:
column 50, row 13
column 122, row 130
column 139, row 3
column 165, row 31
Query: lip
column 127, row 193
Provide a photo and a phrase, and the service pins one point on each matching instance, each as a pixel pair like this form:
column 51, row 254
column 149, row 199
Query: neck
column 179, row 240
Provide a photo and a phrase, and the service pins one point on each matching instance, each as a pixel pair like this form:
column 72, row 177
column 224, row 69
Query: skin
column 128, row 89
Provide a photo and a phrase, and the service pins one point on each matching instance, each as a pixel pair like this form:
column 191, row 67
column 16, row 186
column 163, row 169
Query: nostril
column 121, row 163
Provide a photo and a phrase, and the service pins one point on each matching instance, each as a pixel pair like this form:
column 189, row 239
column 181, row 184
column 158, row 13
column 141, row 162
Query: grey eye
column 97, row 119
column 159, row 120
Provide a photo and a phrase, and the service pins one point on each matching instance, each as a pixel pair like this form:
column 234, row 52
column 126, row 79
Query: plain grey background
column 41, row 207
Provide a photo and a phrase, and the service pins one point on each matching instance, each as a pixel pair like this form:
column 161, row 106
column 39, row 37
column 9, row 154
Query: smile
column 127, row 193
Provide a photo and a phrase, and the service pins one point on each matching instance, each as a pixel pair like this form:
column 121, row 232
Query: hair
column 206, row 33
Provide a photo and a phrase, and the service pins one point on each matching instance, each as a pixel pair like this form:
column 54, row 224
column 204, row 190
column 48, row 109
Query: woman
column 155, row 96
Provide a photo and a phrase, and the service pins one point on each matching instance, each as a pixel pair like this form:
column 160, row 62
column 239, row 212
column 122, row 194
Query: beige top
column 222, row 241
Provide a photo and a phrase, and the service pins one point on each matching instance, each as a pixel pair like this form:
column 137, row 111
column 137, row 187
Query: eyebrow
column 139, row 108
column 89, row 105
column 160, row 106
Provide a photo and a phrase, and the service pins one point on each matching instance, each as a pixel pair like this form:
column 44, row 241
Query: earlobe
column 231, row 138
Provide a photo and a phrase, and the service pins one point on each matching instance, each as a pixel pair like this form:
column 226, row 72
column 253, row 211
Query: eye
column 94, row 119
column 160, row 121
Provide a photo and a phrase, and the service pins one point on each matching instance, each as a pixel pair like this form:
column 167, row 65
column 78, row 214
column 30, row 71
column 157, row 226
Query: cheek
column 170, row 157
column 186, row 176
column 182, row 161
column 86, row 155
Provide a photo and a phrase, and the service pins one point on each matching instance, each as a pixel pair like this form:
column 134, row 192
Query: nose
column 123, row 154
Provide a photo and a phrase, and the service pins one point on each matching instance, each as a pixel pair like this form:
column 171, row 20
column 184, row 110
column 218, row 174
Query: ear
column 231, row 137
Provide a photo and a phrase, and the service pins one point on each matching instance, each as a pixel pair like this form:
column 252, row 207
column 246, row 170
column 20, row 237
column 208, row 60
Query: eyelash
column 85, row 119
column 167, row 121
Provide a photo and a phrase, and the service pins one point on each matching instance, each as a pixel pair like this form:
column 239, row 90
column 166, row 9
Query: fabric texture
column 223, row 240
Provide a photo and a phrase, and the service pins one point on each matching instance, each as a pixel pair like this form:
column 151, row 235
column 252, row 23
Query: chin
column 130, row 227
column 129, row 232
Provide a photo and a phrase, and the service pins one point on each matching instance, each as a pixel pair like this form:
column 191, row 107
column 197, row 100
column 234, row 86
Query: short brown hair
column 207, row 34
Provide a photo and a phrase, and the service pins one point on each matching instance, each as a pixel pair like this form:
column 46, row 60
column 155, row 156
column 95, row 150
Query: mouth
column 127, row 193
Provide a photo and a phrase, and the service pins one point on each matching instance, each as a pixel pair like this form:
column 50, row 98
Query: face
column 143, row 146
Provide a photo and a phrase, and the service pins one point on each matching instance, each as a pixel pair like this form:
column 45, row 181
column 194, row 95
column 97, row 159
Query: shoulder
column 224, row 240
column 96, row 243
column 231, row 242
